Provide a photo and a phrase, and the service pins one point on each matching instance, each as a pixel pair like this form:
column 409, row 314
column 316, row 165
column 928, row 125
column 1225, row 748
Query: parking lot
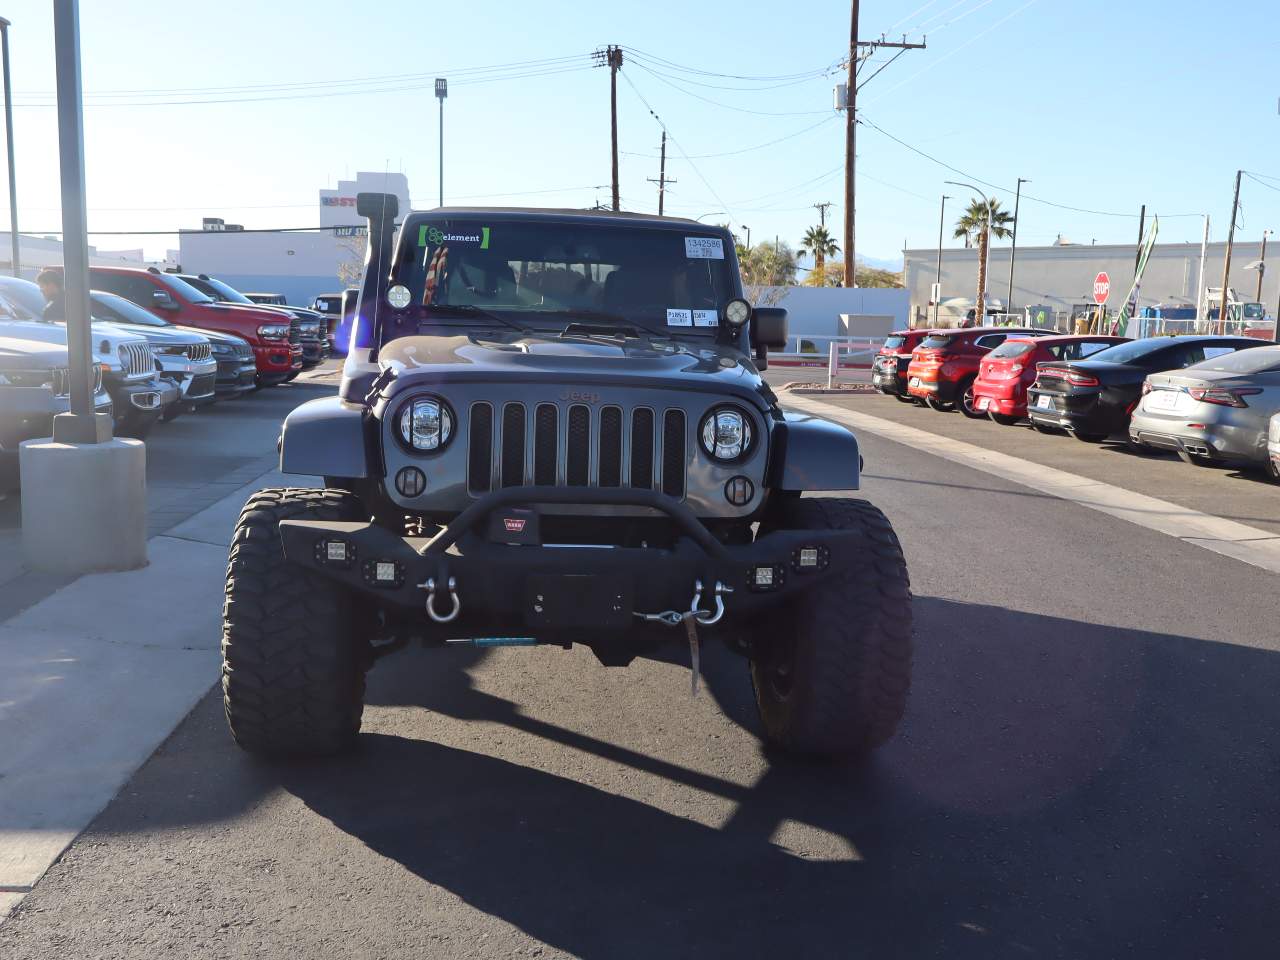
column 1087, row 758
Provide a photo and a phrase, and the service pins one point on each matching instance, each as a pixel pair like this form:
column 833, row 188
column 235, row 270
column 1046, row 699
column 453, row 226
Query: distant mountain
column 892, row 264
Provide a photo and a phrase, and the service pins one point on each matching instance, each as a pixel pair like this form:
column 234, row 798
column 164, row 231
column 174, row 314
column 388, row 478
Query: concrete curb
column 94, row 677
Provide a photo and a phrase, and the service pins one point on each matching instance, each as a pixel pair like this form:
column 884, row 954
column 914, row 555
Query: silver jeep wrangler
column 552, row 428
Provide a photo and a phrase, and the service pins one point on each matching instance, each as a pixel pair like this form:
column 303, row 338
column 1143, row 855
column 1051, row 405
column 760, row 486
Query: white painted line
column 1260, row 548
column 96, row 676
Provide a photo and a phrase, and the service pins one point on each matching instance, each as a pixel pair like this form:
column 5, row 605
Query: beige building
column 1061, row 277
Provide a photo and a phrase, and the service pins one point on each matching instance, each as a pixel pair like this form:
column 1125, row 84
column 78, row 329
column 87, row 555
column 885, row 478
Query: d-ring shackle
column 430, row 587
column 720, row 590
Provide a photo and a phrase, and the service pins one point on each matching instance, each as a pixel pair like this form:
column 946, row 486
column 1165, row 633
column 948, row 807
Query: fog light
column 382, row 573
column 410, row 482
column 764, row 578
column 335, row 553
column 739, row 491
column 810, row 559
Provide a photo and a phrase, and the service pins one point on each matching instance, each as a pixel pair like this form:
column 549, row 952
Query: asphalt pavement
column 1087, row 768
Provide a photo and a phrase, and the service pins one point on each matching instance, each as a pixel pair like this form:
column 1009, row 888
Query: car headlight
column 426, row 423
column 726, row 433
column 273, row 331
column 123, row 354
column 221, row 349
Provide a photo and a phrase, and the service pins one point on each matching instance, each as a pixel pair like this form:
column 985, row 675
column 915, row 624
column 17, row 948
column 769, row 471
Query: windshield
column 217, row 289
column 672, row 281
column 327, row 304
column 107, row 306
column 1010, row 349
column 183, row 289
column 935, row 341
column 25, row 296
column 1257, row 360
column 894, row 341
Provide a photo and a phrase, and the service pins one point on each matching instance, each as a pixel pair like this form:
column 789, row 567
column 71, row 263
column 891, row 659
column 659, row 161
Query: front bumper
column 314, row 352
column 26, row 413
column 236, row 375
column 138, row 402
column 552, row 592
column 277, row 360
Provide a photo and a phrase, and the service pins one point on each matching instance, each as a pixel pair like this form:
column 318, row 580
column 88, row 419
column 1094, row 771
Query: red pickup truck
column 276, row 341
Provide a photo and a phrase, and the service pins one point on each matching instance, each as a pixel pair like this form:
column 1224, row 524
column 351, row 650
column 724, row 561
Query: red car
column 889, row 366
column 276, row 339
column 1005, row 373
column 945, row 365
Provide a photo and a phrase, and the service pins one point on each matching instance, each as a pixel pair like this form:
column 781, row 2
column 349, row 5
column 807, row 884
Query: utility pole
column 822, row 213
column 662, row 180
column 611, row 57
column 442, row 91
column 16, row 262
column 1226, row 261
column 1013, row 251
column 937, row 293
column 851, row 132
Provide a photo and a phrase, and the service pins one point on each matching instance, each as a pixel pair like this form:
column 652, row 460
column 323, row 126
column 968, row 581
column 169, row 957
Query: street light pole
column 748, row 229
column 442, row 91
column 16, row 261
column 984, row 250
column 1013, row 251
column 937, row 294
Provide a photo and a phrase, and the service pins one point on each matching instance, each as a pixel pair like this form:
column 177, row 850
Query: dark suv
column 552, row 428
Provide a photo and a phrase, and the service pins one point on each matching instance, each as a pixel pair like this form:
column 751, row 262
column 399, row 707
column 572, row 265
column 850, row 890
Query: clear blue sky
column 1102, row 105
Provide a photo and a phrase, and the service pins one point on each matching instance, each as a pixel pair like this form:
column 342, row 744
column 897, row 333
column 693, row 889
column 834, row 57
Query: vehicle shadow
column 1059, row 788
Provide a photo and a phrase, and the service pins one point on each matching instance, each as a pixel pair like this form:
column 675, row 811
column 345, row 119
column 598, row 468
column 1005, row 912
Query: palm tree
column 821, row 245
column 982, row 220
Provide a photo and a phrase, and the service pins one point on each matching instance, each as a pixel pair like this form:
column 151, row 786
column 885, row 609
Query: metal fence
column 838, row 359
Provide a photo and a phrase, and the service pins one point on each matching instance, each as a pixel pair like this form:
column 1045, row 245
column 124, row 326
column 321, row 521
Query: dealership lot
column 1087, row 758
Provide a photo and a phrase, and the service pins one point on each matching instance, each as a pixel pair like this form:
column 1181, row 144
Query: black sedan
column 1094, row 398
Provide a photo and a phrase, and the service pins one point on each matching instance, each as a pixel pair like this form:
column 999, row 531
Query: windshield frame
column 412, row 258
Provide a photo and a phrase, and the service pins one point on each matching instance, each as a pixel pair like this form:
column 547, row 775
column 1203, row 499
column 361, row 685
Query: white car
column 1273, row 446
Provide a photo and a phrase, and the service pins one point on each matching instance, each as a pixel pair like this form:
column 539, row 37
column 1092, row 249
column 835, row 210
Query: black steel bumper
column 546, row 591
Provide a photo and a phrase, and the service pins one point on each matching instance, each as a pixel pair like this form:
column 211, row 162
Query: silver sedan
column 1216, row 410
column 1273, row 446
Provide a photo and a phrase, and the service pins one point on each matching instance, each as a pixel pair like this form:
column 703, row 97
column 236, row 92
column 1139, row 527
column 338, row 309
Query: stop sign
column 1101, row 288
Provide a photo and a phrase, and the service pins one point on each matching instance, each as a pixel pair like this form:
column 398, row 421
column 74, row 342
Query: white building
column 298, row 264
column 36, row 253
column 1061, row 277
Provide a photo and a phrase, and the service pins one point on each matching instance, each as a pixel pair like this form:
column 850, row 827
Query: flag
column 1121, row 323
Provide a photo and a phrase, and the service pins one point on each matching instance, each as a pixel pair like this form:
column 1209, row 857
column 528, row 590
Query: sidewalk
column 96, row 675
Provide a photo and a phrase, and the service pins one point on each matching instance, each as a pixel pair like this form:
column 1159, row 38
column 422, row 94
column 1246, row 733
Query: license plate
column 982, row 403
column 1165, row 399
column 915, row 381
column 1044, row 402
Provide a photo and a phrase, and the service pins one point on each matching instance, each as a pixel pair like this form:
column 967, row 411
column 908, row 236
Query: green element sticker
column 435, row 236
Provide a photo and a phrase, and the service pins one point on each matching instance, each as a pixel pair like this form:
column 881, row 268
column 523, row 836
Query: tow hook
column 673, row 618
column 430, row 587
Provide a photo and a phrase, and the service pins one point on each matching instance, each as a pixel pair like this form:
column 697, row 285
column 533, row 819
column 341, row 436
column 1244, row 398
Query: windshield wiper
column 627, row 325
column 470, row 310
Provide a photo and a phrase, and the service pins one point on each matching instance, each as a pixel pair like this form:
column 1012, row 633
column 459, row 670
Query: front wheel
column 832, row 669
column 292, row 667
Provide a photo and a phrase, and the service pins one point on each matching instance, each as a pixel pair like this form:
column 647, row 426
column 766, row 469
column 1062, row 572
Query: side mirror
column 163, row 300
column 769, row 327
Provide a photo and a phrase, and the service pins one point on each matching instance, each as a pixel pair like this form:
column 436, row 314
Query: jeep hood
column 56, row 333
column 571, row 360
column 20, row 354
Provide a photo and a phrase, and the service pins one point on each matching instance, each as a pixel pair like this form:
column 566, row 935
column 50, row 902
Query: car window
column 936, row 341
column 1253, row 360
column 110, row 306
column 1083, row 348
column 894, row 341
column 991, row 341
column 1211, row 353
column 1010, row 349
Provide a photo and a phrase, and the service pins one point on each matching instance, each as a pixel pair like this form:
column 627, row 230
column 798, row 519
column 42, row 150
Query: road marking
column 1229, row 538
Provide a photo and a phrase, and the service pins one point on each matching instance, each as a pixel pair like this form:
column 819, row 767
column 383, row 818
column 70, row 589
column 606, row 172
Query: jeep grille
column 575, row 445
column 138, row 360
column 199, row 352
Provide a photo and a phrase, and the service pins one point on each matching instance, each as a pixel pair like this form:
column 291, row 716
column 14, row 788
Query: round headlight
column 399, row 296
column 737, row 312
column 726, row 433
column 425, row 424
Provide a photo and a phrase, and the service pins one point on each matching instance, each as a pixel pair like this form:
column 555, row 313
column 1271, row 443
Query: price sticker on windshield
column 704, row 248
column 706, row 318
column 679, row 318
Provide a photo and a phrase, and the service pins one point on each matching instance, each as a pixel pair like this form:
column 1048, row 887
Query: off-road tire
column 293, row 667
column 843, row 647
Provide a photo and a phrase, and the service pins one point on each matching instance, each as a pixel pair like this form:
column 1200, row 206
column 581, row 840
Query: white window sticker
column 679, row 318
column 706, row 318
column 704, row 248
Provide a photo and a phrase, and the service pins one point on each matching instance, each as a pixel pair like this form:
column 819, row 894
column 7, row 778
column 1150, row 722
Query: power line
column 724, row 106
column 758, row 146
column 644, row 55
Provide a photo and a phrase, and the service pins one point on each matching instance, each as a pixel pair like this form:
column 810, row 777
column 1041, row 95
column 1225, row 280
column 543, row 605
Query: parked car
column 1273, row 446
column 138, row 395
column 1094, row 398
column 945, row 364
column 1215, row 410
column 889, row 366
column 185, row 357
column 276, row 341
column 268, row 299
column 1005, row 373
column 315, row 342
column 329, row 305
column 35, row 385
